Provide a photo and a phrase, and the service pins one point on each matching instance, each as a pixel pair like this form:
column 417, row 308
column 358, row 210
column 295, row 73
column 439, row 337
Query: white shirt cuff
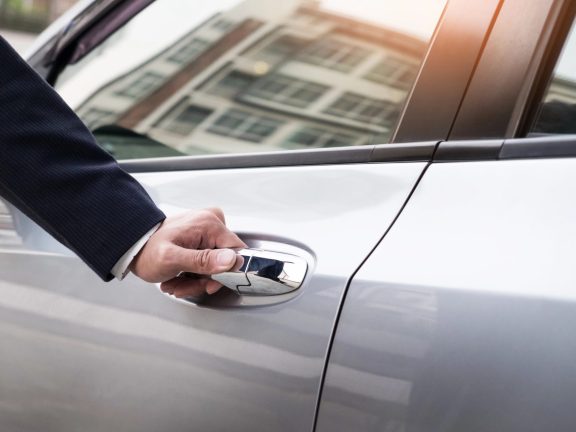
column 121, row 269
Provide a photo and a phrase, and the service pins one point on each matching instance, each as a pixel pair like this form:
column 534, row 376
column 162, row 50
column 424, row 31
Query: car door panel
column 78, row 354
column 462, row 318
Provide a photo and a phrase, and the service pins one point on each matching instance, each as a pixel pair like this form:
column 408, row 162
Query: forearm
column 54, row 171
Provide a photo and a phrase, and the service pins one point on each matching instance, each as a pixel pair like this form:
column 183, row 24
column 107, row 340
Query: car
column 414, row 161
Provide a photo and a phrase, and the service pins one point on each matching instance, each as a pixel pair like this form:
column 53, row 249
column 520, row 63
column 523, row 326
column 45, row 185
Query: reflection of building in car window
column 558, row 112
column 184, row 118
column 283, row 89
column 232, row 84
column 335, row 53
column 281, row 48
column 142, row 85
column 9, row 237
column 562, row 90
column 242, row 82
column 315, row 137
column 223, row 25
column 245, row 126
column 364, row 109
column 394, row 71
column 94, row 117
column 189, row 51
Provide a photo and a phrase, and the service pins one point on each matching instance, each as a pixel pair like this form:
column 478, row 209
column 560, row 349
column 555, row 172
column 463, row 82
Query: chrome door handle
column 265, row 273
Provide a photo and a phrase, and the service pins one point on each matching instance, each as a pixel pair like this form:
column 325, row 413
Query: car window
column 9, row 239
column 557, row 114
column 229, row 76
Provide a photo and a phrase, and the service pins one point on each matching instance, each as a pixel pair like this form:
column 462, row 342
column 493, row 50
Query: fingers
column 226, row 238
column 183, row 287
column 194, row 242
column 230, row 240
column 204, row 261
column 218, row 213
column 211, row 224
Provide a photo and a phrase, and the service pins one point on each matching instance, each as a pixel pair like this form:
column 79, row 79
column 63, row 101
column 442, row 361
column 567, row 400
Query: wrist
column 125, row 263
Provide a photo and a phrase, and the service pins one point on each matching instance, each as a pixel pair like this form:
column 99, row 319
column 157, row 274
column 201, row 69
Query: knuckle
column 203, row 259
column 215, row 214
column 204, row 217
column 217, row 211
column 207, row 213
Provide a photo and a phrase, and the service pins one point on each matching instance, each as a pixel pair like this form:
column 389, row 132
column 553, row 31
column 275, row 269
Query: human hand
column 195, row 242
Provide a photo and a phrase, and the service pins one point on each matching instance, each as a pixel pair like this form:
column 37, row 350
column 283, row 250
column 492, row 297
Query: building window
column 318, row 137
column 189, row 51
column 223, row 25
column 282, row 48
column 334, row 54
column 364, row 109
column 184, row 118
column 95, row 117
column 286, row 90
column 142, row 86
column 245, row 126
column 232, row 84
column 394, row 72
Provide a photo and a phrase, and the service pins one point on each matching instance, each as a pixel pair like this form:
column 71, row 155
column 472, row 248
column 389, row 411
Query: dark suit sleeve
column 52, row 169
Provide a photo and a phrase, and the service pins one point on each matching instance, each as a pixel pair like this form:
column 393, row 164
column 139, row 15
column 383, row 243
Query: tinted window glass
column 558, row 110
column 230, row 76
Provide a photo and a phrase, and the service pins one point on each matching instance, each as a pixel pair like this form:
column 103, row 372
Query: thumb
column 206, row 261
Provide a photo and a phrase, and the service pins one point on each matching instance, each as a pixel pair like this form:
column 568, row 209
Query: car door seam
column 345, row 292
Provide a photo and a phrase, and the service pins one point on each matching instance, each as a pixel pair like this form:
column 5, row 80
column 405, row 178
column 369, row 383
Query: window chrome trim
column 541, row 147
column 415, row 152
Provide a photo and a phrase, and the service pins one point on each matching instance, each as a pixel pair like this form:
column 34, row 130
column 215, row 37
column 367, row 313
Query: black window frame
column 509, row 83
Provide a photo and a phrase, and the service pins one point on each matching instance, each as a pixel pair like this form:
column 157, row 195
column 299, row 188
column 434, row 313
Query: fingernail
column 213, row 289
column 226, row 258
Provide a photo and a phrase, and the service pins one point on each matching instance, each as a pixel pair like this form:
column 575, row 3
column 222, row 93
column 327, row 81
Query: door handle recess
column 265, row 273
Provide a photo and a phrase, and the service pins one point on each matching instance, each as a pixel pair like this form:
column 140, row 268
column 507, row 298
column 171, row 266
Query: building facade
column 257, row 77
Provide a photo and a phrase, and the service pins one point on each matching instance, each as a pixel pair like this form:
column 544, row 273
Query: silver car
column 413, row 159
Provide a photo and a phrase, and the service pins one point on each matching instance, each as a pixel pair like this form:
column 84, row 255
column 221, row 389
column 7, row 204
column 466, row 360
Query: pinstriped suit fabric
column 54, row 171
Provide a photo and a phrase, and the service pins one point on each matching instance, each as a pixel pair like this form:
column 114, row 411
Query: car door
column 463, row 316
column 275, row 91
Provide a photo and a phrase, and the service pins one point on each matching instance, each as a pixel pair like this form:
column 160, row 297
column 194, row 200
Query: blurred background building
column 259, row 77
column 22, row 20
column 31, row 16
